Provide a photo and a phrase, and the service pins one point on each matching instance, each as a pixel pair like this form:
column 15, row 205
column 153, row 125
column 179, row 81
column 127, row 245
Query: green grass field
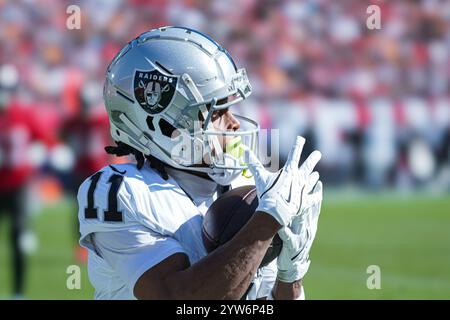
column 408, row 238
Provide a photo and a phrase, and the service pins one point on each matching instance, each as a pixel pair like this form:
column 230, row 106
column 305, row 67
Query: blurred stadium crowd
column 375, row 102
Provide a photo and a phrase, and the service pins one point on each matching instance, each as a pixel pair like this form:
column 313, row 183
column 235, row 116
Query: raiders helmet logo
column 153, row 90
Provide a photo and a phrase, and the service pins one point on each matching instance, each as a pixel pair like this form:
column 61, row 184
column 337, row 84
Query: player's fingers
column 308, row 166
column 312, row 199
column 311, row 182
column 295, row 153
column 318, row 190
column 294, row 190
column 307, row 202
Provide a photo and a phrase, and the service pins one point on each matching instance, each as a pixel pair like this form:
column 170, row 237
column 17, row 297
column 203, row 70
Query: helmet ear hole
column 150, row 123
column 166, row 128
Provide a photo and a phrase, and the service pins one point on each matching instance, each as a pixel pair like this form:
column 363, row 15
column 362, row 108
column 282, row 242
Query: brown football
column 228, row 214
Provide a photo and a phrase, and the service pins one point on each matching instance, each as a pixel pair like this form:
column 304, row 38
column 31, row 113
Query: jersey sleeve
column 130, row 253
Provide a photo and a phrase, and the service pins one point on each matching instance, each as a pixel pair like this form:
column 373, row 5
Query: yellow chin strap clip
column 236, row 149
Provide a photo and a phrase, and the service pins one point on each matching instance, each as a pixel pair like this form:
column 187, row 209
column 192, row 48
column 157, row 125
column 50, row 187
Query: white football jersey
column 130, row 220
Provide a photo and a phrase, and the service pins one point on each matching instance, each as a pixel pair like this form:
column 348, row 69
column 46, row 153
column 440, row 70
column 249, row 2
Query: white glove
column 293, row 261
column 281, row 194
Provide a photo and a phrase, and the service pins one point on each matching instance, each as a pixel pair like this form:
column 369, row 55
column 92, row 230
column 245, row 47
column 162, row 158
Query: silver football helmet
column 161, row 91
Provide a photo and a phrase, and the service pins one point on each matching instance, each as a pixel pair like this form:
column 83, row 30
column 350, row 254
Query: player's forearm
column 287, row 291
column 227, row 272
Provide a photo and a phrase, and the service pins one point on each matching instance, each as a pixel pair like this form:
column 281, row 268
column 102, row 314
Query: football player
column 169, row 94
column 21, row 134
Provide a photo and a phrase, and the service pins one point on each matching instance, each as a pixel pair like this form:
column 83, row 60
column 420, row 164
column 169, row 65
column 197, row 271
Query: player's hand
column 293, row 261
column 281, row 194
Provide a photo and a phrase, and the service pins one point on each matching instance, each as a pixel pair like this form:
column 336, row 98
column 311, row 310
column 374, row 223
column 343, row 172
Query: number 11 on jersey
column 112, row 214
